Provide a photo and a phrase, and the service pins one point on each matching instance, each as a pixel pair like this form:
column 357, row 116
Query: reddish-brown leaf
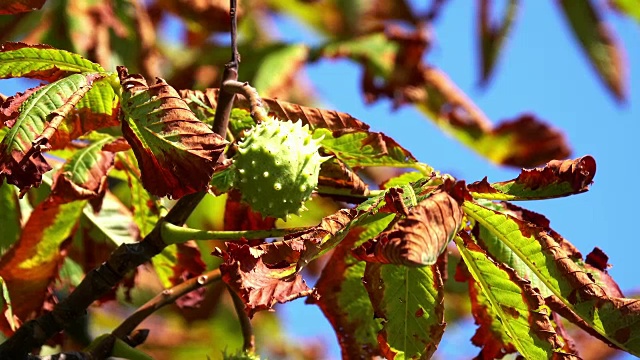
column 260, row 285
column 189, row 264
column 315, row 117
column 335, row 174
column 418, row 239
column 265, row 274
column 556, row 179
column 176, row 152
column 239, row 215
column 532, row 142
column 19, row 6
column 32, row 264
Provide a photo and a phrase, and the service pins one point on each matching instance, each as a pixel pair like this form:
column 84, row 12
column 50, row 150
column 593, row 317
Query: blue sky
column 543, row 71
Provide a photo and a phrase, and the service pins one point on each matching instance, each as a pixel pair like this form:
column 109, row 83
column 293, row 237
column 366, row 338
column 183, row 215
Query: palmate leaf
column 492, row 37
column 556, row 179
column 599, row 43
column 176, row 152
column 513, row 299
column 615, row 318
column 41, row 62
column 28, row 116
column 265, row 274
column 409, row 304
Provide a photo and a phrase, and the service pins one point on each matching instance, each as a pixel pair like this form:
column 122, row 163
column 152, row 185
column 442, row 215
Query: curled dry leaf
column 335, row 174
column 420, row 237
column 176, row 152
column 265, row 274
column 557, row 178
column 315, row 117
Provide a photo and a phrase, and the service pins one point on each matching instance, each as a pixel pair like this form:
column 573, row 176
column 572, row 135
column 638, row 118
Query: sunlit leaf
column 41, row 62
column 492, row 36
column 21, row 163
column 599, row 43
column 343, row 298
column 176, row 151
column 408, row 302
column 519, row 307
column 31, row 265
column 556, row 179
column 315, row 117
column 420, row 237
column 363, row 148
column 615, row 318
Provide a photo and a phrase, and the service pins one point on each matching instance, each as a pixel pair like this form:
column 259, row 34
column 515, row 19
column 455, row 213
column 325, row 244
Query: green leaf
column 557, row 179
column 403, row 179
column 343, row 298
column 598, row 42
column 492, row 37
column 10, row 216
column 33, row 262
column 112, row 226
column 29, row 120
column 278, row 69
column 617, row 319
column 163, row 264
column 520, row 308
column 222, row 181
column 409, row 304
column 364, row 148
column 41, row 62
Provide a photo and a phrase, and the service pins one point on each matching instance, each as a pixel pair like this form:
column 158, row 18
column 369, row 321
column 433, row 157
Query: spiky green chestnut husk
column 277, row 167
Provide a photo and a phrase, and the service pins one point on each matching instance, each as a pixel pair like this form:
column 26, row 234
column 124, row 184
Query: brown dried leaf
column 177, row 153
column 265, row 274
column 315, row 117
column 335, row 174
column 418, row 239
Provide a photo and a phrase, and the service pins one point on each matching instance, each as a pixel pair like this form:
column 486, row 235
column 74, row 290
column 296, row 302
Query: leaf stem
column 174, row 234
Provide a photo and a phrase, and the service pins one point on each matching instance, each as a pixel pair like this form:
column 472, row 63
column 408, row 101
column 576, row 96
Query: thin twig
column 258, row 111
column 249, row 344
column 166, row 297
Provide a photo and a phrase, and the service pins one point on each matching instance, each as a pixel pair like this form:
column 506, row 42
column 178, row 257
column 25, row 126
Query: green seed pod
column 277, row 167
